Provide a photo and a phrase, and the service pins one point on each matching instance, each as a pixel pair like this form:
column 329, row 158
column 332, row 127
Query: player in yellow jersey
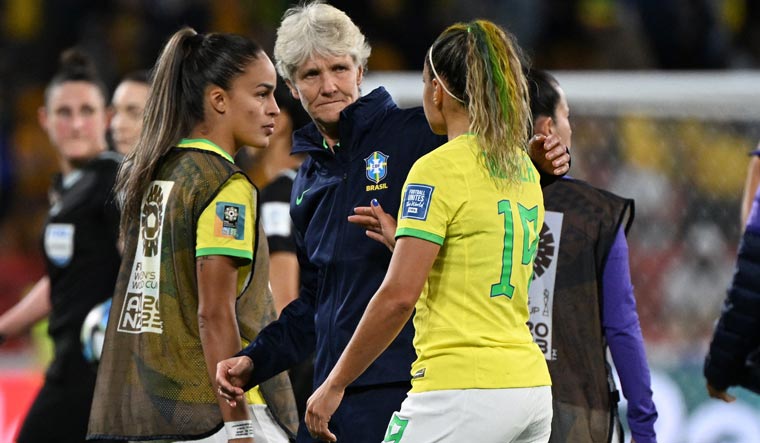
column 467, row 235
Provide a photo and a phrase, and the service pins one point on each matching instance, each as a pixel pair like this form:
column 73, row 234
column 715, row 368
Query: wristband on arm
column 239, row 429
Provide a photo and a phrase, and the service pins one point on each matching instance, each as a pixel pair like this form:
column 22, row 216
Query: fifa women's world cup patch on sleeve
column 226, row 226
column 230, row 220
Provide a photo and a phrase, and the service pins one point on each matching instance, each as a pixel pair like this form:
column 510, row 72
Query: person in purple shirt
column 734, row 355
column 751, row 184
column 583, row 257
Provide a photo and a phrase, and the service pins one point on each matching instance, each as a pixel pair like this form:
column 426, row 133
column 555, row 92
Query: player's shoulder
column 239, row 178
column 457, row 154
column 237, row 186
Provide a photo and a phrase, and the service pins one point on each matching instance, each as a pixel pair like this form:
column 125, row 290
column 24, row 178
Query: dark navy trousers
column 364, row 414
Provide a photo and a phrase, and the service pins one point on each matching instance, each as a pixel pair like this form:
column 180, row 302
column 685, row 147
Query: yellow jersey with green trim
column 226, row 227
column 470, row 320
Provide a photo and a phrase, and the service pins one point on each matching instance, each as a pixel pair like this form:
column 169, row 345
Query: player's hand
column 380, row 225
column 719, row 394
column 319, row 409
column 549, row 154
column 231, row 375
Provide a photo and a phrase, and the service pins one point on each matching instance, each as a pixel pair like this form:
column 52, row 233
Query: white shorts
column 265, row 429
column 519, row 415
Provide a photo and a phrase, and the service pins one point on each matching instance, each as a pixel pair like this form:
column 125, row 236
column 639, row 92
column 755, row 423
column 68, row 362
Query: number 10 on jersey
column 529, row 223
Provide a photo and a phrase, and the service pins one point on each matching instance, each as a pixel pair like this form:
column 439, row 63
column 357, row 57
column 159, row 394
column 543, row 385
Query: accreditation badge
column 59, row 243
column 541, row 290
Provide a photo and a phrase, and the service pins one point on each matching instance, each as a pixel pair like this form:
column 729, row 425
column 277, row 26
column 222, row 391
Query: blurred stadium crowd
column 124, row 35
column 685, row 174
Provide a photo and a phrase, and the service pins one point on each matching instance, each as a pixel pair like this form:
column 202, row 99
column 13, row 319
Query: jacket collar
column 357, row 118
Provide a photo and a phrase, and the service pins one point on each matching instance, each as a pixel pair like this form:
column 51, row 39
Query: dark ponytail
column 187, row 65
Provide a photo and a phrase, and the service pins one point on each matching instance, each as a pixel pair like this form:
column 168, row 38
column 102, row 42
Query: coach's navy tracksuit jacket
column 341, row 268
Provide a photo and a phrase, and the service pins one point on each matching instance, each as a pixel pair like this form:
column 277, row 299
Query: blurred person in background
column 736, row 338
column 272, row 170
column 127, row 107
column 462, row 260
column 80, row 249
column 193, row 286
column 693, row 287
column 126, row 110
column 358, row 148
column 582, row 298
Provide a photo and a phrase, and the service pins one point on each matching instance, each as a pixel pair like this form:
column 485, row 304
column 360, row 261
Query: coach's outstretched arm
column 282, row 344
column 386, row 314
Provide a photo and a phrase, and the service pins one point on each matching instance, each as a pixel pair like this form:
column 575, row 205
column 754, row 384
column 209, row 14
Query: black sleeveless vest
column 585, row 400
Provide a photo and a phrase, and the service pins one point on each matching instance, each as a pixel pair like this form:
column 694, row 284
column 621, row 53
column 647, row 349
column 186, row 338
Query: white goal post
column 708, row 95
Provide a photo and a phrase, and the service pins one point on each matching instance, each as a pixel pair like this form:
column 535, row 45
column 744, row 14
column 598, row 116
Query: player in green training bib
column 468, row 227
column 193, row 285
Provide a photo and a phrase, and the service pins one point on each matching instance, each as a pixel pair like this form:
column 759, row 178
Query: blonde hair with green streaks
column 481, row 65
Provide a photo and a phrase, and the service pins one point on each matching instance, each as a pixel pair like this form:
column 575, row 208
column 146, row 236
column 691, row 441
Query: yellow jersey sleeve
column 429, row 200
column 226, row 226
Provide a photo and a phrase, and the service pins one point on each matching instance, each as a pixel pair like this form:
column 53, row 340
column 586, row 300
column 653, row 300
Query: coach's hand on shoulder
column 719, row 394
column 549, row 154
column 380, row 225
column 231, row 375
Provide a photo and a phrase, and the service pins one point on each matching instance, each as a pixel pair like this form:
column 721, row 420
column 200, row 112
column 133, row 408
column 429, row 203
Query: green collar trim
column 205, row 145
column 324, row 144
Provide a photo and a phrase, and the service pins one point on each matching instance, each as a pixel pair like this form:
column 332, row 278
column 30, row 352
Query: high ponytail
column 163, row 126
column 187, row 65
